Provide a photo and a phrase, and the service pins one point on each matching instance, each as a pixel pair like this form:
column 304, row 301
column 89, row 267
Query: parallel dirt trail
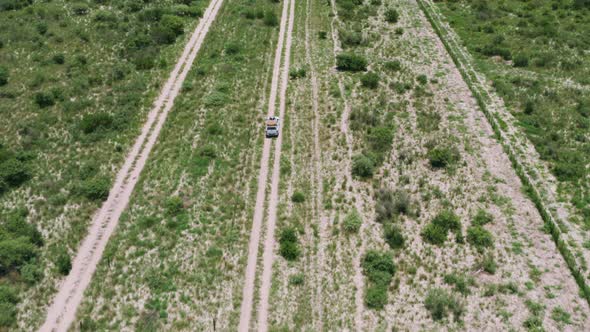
column 249, row 281
column 62, row 311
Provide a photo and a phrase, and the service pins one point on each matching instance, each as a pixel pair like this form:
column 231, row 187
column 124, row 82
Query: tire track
column 62, row 311
column 249, row 281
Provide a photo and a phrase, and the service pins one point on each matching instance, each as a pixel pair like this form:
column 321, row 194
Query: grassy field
column 76, row 80
column 177, row 258
column 535, row 53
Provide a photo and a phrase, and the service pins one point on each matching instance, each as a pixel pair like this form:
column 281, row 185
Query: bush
column 96, row 189
column 380, row 138
column 80, row 9
column 44, row 99
column 63, row 261
column 443, row 157
column 488, row 264
column 434, row 234
column 297, row 279
column 393, row 236
column 391, row 204
column 232, row 48
column 270, row 19
column 350, row 38
column 376, row 297
column 362, row 166
column 479, row 237
column 379, row 269
column 482, row 217
column 3, row 76
column 352, row 222
column 295, row 73
column 14, row 252
column 298, row 197
column 394, row 65
column 7, row 313
column 173, row 206
column 31, row 273
column 521, row 60
column 370, row 80
column 173, row 23
column 288, row 244
column 447, row 220
column 13, row 172
column 461, row 282
column 350, row 62
column 422, row 79
column 59, row 58
column 440, row 303
column 91, row 123
column 162, row 36
column 391, row 15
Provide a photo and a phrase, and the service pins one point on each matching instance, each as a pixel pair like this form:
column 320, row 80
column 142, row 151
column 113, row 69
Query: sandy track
column 248, row 290
column 62, row 311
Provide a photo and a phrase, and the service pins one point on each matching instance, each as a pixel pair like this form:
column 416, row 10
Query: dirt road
column 62, row 311
column 286, row 25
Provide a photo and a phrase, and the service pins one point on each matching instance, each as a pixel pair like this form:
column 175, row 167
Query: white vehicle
column 272, row 126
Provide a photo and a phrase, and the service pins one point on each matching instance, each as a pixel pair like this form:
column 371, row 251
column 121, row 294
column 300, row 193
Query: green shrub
column 440, row 303
column 521, row 60
column 422, row 79
column 376, row 296
column 233, row 48
column 379, row 269
column 351, row 38
column 96, row 189
column 391, row 15
column 80, row 9
column 460, row 282
column 296, row 73
column 488, row 264
column 390, row 204
column 7, row 312
column 380, row 139
column 362, row 166
column 434, row 234
column 44, row 99
column 13, row 172
column 443, row 157
column 447, row 220
column 352, row 222
column 298, row 197
column 91, row 123
column 270, row 19
column 394, row 65
column 479, row 237
column 297, row 279
column 173, row 23
column 173, row 206
column 3, row 76
column 482, row 217
column 63, row 261
column 31, row 272
column 14, row 252
column 350, row 62
column 59, row 58
column 393, row 236
column 288, row 244
column 370, row 80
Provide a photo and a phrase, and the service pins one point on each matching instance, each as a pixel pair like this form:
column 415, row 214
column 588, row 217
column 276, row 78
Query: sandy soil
column 268, row 255
column 62, row 311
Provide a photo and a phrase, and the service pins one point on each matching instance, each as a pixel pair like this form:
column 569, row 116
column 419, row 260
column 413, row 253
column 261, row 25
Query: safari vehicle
column 272, row 127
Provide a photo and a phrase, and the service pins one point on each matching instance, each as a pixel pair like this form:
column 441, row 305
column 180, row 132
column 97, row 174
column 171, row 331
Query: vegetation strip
column 249, row 281
column 524, row 173
column 62, row 311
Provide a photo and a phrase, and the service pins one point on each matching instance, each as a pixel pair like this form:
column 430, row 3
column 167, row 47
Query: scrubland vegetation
column 76, row 79
column 535, row 55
